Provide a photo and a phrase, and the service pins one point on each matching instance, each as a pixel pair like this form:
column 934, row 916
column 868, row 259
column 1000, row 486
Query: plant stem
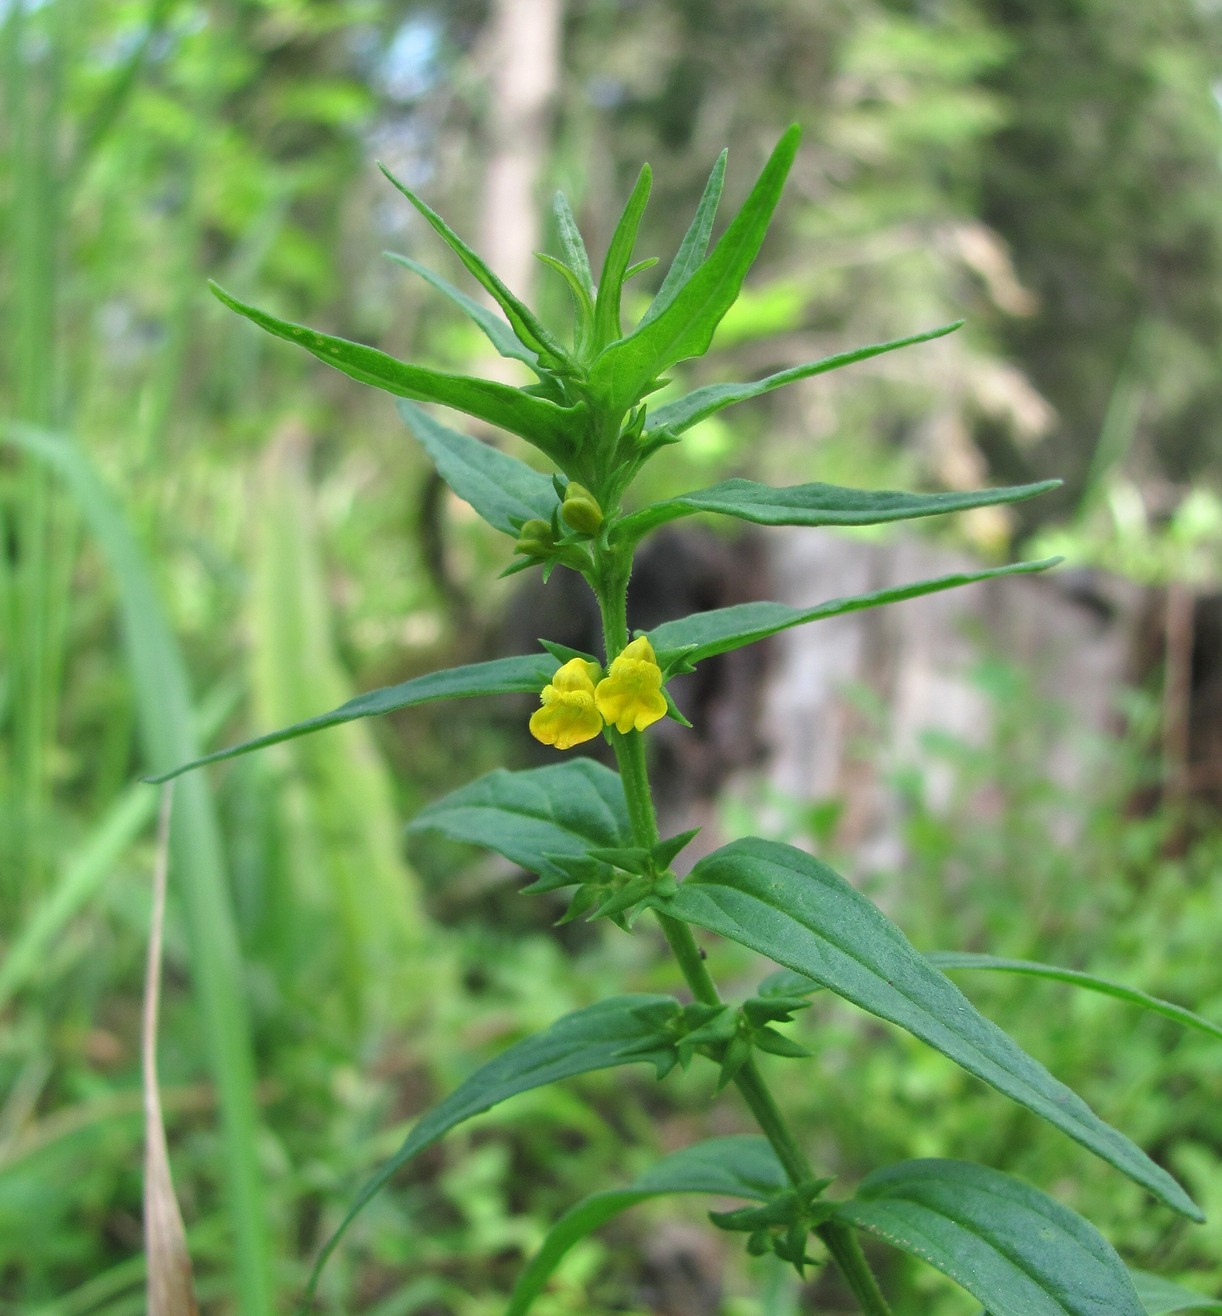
column 846, row 1252
column 611, row 588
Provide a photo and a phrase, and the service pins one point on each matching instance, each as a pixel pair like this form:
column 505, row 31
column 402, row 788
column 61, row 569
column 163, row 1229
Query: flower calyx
column 728, row 1035
column 722, row 1033
column 618, row 883
column 543, row 543
column 783, row 1224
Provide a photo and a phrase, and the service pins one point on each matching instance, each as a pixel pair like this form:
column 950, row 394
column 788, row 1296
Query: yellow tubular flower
column 630, row 695
column 568, row 715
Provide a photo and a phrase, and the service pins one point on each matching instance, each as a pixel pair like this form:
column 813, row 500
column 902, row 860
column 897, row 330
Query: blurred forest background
column 204, row 534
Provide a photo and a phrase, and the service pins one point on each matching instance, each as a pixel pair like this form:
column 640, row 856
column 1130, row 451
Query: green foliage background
column 1048, row 170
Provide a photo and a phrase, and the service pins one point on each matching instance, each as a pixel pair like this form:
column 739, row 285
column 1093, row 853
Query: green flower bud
column 581, row 510
column 535, row 539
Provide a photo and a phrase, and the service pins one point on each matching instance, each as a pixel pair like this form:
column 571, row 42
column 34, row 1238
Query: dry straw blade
column 170, row 1286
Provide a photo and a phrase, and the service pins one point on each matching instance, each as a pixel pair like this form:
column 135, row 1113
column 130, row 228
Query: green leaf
column 794, row 909
column 498, row 333
column 1076, row 978
column 524, row 321
column 597, row 1037
column 690, row 255
column 619, row 253
column 819, row 504
column 1160, row 1296
column 1012, row 1247
column 698, row 405
column 502, row 489
column 572, row 244
column 502, row 676
column 723, row 1167
column 583, row 307
column 550, row 427
column 627, row 368
column 533, row 817
column 719, row 630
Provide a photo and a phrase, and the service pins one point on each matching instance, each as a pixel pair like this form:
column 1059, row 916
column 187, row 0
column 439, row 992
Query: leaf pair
column 1012, row 1247
column 678, row 645
column 694, row 297
column 798, row 912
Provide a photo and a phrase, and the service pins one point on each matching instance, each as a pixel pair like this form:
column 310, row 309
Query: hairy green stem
column 611, row 589
column 846, row 1252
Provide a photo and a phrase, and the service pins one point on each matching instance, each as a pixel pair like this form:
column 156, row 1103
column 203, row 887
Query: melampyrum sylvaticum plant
column 580, row 825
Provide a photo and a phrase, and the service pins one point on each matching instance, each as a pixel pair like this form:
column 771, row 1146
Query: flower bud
column 535, row 539
column 581, row 510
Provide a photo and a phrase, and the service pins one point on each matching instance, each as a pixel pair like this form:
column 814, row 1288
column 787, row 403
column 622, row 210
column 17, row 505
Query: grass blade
column 165, row 718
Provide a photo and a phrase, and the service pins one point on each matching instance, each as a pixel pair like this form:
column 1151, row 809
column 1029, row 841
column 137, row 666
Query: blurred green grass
column 320, row 991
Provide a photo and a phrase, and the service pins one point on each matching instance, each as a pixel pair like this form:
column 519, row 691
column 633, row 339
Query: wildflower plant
column 579, row 825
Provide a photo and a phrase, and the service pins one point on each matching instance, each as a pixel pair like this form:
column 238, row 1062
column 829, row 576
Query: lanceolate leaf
column 698, row 405
column 498, row 333
column 597, row 1037
column 572, row 244
column 690, row 255
column 819, row 504
column 726, row 1167
column 722, row 629
column 685, row 328
column 1012, row 1247
column 1160, row 1297
column 551, row 428
column 563, row 810
column 501, row 676
column 525, row 323
column 789, row 906
column 498, row 486
column 1076, row 978
column 619, row 254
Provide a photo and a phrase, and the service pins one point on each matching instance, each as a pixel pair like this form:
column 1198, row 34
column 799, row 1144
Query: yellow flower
column 568, row 715
column 630, row 695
